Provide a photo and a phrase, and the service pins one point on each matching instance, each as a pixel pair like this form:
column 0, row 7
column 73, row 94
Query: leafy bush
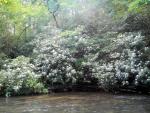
column 18, row 78
column 130, row 68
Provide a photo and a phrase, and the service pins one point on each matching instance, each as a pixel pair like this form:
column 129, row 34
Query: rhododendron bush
column 110, row 60
column 18, row 77
column 63, row 59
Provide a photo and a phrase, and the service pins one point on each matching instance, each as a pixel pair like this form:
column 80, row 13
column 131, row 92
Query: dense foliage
column 18, row 77
column 124, row 7
column 57, row 45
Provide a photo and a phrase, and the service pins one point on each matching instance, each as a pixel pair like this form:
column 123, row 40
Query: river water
column 76, row 103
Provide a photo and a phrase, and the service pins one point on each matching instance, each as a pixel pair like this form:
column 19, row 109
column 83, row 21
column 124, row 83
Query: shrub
column 18, row 78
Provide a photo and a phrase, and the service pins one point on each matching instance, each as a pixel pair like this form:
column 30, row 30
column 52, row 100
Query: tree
column 122, row 8
column 53, row 7
column 16, row 20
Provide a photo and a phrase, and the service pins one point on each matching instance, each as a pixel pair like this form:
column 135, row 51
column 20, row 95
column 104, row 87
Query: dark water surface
column 76, row 103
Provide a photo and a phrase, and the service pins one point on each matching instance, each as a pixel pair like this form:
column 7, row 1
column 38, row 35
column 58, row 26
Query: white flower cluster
column 57, row 55
column 54, row 58
column 127, row 68
column 16, row 73
column 130, row 66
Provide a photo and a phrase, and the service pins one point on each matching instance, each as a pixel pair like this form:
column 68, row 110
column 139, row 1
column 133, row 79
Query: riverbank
column 74, row 45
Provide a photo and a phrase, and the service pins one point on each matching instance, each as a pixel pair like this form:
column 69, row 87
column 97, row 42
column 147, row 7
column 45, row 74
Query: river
column 76, row 103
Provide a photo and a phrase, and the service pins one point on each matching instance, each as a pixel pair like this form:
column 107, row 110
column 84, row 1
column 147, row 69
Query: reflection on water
column 76, row 103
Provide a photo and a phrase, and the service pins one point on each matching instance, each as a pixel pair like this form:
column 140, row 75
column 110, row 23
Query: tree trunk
column 55, row 20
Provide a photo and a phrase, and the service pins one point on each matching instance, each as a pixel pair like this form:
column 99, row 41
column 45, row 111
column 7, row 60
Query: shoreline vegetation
column 74, row 45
